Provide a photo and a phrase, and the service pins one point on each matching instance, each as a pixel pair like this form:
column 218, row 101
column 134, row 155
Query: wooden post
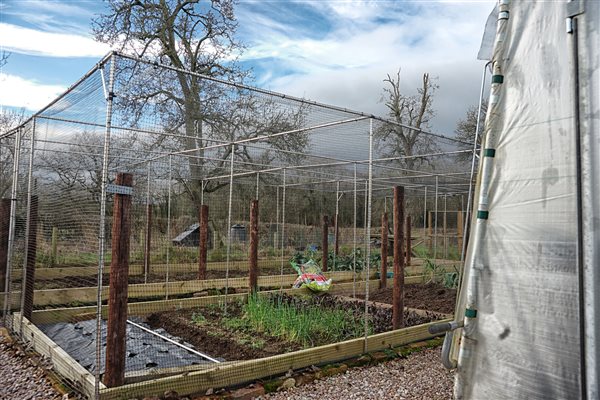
column 408, row 240
column 148, row 241
column 203, row 244
column 429, row 231
column 54, row 247
column 253, row 273
column 31, row 256
column 116, row 336
column 325, row 243
column 4, row 226
column 398, row 295
column 384, row 250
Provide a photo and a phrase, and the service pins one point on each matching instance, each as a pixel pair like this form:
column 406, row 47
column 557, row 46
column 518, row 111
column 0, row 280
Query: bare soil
column 430, row 296
column 216, row 339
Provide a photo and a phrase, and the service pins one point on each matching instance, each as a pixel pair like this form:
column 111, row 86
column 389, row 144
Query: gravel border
column 23, row 375
column 419, row 376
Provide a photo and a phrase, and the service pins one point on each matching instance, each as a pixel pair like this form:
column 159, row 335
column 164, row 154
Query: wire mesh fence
column 155, row 220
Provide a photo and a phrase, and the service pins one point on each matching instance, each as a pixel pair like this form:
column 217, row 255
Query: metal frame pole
column 354, row 238
column 102, row 233
column 12, row 222
column 282, row 228
column 435, row 226
column 368, row 225
column 24, row 282
column 228, row 258
column 169, row 228
column 148, row 217
column 474, row 157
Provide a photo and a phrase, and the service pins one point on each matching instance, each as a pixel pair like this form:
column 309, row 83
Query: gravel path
column 22, row 377
column 420, row 376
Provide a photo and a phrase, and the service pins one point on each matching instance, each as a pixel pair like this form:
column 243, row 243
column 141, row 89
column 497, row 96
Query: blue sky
column 337, row 52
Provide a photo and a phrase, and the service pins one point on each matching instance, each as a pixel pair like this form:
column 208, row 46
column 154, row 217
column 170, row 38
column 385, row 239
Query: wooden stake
column 384, row 250
column 325, row 243
column 31, row 256
column 116, row 336
column 408, row 240
column 398, row 295
column 203, row 244
column 148, row 241
column 4, row 226
column 253, row 274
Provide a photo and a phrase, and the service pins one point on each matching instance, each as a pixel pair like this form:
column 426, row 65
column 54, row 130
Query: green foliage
column 304, row 325
column 199, row 319
column 341, row 262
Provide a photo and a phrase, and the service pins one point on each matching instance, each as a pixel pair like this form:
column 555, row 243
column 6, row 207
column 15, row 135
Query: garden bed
column 429, row 296
column 276, row 324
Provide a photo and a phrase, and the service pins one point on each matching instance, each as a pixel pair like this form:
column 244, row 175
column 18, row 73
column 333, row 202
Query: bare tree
column 196, row 36
column 3, row 58
column 466, row 127
column 9, row 119
column 395, row 140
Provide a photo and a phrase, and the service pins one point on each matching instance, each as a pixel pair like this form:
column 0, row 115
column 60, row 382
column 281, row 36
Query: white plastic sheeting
column 521, row 268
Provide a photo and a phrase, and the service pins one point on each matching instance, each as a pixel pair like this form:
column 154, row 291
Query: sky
column 337, row 51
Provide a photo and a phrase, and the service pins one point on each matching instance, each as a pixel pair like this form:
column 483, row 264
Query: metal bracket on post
column 574, row 8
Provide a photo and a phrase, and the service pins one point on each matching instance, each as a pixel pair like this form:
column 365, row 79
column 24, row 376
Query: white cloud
column 16, row 91
column 22, row 40
column 367, row 40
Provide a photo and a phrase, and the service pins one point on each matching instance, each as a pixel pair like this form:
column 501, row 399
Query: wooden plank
column 61, row 297
column 246, row 371
column 62, row 362
column 65, row 272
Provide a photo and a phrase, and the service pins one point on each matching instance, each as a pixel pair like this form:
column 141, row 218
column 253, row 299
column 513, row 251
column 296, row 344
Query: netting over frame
column 191, row 142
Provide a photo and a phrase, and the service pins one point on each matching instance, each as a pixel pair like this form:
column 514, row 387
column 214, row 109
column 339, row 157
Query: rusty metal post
column 116, row 334
column 31, row 256
column 408, row 240
column 203, row 244
column 253, row 273
column 398, row 295
column 384, row 250
column 325, row 243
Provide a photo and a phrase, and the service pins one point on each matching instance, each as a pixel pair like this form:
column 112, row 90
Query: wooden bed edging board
column 54, row 297
column 138, row 269
column 70, row 314
column 63, row 363
column 246, row 371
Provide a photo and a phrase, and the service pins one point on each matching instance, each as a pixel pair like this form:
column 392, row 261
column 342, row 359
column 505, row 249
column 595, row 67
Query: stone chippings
column 21, row 376
column 419, row 376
